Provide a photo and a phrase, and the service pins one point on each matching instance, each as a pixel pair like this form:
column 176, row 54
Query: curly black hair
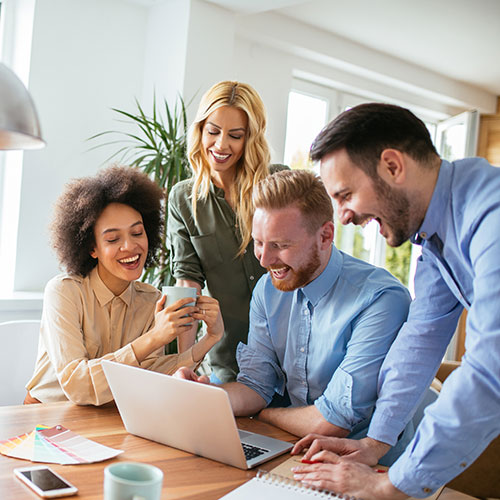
column 82, row 202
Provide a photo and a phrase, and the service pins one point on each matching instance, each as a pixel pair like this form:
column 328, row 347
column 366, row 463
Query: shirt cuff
column 259, row 373
column 385, row 429
column 327, row 409
column 336, row 402
column 169, row 363
column 406, row 476
column 126, row 356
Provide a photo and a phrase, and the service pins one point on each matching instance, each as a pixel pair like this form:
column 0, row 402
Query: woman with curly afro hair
column 106, row 228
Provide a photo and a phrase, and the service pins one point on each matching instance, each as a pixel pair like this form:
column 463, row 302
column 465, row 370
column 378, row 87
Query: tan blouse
column 83, row 322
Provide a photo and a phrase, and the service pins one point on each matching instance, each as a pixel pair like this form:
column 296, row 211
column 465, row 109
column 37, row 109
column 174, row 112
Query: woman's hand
column 170, row 322
column 209, row 312
column 174, row 320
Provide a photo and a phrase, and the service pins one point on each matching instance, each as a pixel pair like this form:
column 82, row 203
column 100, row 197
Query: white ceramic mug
column 132, row 481
column 174, row 293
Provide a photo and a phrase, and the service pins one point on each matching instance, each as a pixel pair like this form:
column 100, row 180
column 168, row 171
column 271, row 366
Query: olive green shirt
column 205, row 251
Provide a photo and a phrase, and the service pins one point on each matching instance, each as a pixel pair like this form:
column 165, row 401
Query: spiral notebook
column 279, row 484
column 269, row 485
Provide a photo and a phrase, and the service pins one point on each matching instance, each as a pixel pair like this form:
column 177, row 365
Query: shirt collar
column 217, row 191
column 437, row 206
column 314, row 290
column 103, row 294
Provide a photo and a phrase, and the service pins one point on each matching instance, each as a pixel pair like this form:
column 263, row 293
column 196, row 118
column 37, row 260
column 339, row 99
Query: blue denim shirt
column 324, row 342
column 459, row 267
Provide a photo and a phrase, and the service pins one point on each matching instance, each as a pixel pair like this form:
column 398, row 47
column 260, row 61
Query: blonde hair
column 299, row 188
column 253, row 164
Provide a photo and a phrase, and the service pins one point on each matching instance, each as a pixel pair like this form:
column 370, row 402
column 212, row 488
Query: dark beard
column 302, row 276
column 396, row 208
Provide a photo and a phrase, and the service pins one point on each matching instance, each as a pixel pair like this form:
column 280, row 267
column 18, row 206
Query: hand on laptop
column 188, row 374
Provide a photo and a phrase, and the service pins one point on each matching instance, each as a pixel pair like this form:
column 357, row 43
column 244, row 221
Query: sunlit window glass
column 307, row 115
column 452, row 142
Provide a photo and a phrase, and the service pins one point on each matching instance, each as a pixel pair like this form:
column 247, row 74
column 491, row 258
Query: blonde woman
column 210, row 215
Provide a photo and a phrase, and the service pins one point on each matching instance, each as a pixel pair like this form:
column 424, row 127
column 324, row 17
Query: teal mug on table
column 132, row 481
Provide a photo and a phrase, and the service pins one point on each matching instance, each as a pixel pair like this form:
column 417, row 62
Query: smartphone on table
column 45, row 482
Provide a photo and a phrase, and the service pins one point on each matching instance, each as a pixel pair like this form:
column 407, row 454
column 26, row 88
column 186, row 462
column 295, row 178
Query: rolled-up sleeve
column 335, row 404
column 158, row 362
column 351, row 394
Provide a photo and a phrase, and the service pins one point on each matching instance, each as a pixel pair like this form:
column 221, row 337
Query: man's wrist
column 378, row 448
column 384, row 489
column 260, row 415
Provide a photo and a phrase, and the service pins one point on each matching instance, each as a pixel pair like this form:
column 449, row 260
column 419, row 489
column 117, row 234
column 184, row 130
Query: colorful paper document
column 56, row 445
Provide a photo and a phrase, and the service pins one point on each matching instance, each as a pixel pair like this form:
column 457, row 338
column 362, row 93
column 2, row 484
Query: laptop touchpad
column 244, row 434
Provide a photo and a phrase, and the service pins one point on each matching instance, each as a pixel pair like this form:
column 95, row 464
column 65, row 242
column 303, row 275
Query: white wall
column 270, row 72
column 209, row 55
column 165, row 52
column 86, row 58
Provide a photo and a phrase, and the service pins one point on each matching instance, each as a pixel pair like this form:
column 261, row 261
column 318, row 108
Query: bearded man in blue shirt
column 378, row 162
column 321, row 321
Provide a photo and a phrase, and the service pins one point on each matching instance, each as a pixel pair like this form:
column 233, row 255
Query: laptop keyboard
column 252, row 451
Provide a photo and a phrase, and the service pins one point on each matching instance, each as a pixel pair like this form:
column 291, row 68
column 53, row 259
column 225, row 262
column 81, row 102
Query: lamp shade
column 19, row 126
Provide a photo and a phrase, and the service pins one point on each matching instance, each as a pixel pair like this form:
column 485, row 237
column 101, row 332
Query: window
column 307, row 115
column 456, row 137
column 16, row 26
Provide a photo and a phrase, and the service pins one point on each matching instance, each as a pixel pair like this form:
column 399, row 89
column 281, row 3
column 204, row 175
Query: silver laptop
column 187, row 415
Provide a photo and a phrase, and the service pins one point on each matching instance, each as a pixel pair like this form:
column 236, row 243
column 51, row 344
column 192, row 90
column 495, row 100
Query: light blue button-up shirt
column 324, row 342
column 459, row 267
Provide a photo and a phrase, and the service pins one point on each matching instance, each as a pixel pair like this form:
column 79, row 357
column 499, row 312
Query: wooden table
column 186, row 476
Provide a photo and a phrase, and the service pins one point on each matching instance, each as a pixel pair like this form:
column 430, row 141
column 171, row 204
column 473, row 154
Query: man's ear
column 392, row 166
column 326, row 234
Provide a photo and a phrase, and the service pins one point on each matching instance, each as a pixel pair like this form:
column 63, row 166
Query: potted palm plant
column 158, row 148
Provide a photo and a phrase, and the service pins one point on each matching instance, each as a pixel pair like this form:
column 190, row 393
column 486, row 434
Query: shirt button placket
column 302, row 340
column 112, row 326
